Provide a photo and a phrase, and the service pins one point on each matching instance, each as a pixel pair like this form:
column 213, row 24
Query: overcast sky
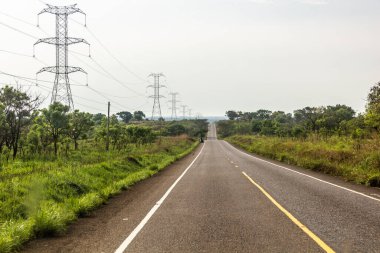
column 218, row 54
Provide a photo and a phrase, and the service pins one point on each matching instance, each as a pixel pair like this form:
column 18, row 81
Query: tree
column 282, row 123
column 125, row 116
column 232, row 115
column 261, row 114
column 333, row 116
column 18, row 109
column 138, row 115
column 175, row 129
column 372, row 116
column 98, row 118
column 140, row 135
column 246, row 116
column 55, row 120
column 225, row 128
column 3, row 127
column 116, row 129
column 79, row 125
column 308, row 116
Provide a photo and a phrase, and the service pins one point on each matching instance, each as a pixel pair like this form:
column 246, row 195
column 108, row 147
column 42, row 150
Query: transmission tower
column 189, row 110
column 61, row 90
column 183, row 111
column 156, row 86
column 174, row 102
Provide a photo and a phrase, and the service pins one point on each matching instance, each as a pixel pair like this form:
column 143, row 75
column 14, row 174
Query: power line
column 36, row 81
column 16, row 53
column 102, row 95
column 90, row 107
column 114, row 57
column 106, row 72
column 22, row 21
column 33, row 79
column 115, row 79
column 18, row 19
column 46, row 88
column 18, row 30
column 61, row 89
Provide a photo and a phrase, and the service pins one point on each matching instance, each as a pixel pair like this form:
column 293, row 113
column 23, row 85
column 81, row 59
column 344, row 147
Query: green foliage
column 225, row 128
column 125, row 116
column 330, row 139
column 138, row 116
column 175, row 129
column 80, row 123
column 334, row 155
column 41, row 197
column 51, row 218
column 372, row 117
column 55, row 121
column 140, row 135
column 98, row 118
column 232, row 115
column 16, row 113
column 326, row 121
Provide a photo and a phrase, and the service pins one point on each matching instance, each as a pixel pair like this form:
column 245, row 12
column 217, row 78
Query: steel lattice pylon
column 174, row 102
column 184, row 111
column 61, row 90
column 156, row 86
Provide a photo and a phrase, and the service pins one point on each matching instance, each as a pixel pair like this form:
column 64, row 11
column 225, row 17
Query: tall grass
column 339, row 156
column 40, row 197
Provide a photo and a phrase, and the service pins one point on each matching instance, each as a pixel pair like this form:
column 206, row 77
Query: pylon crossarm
column 47, row 69
column 71, row 40
column 75, row 69
column 61, row 70
column 61, row 10
column 51, row 41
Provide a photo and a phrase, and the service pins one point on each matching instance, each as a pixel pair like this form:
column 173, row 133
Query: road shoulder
column 106, row 228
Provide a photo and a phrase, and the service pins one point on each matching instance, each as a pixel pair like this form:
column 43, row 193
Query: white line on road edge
column 300, row 173
column 134, row 233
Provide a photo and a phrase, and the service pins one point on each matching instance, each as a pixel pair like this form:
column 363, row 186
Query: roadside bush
column 332, row 155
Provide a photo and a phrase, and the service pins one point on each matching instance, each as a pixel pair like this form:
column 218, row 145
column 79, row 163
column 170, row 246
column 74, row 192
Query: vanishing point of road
column 221, row 199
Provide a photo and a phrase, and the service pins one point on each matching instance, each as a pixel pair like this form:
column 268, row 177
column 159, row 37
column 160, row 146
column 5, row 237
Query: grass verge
column 41, row 198
column 337, row 156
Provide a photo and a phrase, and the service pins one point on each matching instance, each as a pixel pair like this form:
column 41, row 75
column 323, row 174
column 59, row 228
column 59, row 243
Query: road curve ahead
column 221, row 199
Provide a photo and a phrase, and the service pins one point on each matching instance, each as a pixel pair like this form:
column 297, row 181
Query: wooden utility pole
column 108, row 128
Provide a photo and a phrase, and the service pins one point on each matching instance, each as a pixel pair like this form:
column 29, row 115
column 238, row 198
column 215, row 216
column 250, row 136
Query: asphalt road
column 220, row 199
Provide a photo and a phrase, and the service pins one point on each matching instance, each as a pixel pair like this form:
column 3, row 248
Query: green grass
column 338, row 156
column 41, row 197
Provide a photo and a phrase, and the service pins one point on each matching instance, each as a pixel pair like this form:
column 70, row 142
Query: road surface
column 220, row 199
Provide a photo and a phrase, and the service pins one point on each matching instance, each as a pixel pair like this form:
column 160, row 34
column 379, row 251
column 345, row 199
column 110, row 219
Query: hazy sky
column 218, row 54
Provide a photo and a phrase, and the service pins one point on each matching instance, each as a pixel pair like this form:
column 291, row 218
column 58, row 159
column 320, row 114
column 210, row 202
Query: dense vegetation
column 332, row 139
column 54, row 165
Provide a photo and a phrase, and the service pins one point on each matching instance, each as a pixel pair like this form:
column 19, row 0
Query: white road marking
column 134, row 233
column 236, row 166
column 320, row 180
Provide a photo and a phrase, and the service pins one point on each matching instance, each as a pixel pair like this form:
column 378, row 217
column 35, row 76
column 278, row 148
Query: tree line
column 24, row 128
column 323, row 121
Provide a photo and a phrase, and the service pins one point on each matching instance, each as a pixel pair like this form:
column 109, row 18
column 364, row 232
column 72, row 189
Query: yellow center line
column 321, row 243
